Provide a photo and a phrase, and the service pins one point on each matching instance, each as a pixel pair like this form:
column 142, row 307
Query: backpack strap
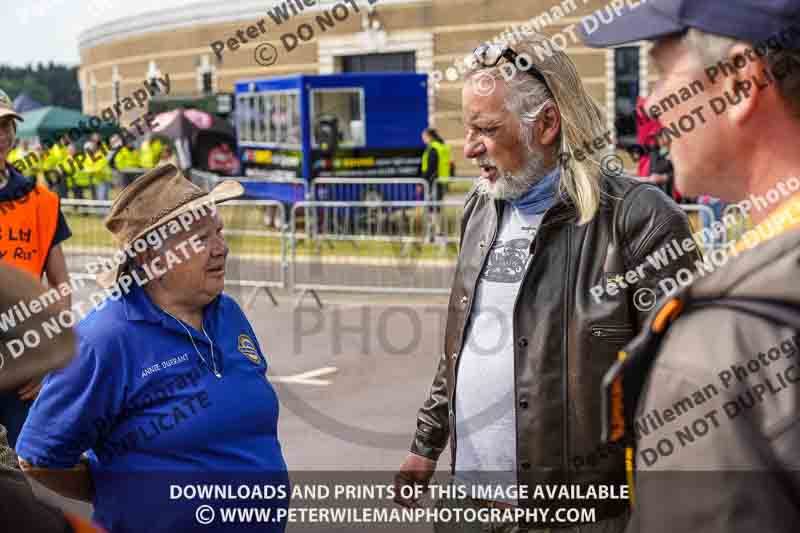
column 624, row 381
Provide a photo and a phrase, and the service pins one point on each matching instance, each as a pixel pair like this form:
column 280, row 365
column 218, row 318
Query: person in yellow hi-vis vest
column 19, row 152
column 14, row 155
column 28, row 165
column 435, row 163
column 34, row 160
column 149, row 152
column 122, row 159
column 56, row 155
column 82, row 180
column 99, row 170
column 69, row 168
column 128, row 157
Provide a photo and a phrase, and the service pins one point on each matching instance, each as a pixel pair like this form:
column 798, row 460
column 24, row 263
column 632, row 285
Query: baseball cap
column 7, row 107
column 752, row 21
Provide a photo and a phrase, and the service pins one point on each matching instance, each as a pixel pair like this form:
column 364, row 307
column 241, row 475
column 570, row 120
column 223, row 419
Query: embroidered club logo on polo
column 248, row 349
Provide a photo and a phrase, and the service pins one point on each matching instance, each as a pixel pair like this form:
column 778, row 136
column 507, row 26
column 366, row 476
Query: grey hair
column 713, row 49
column 526, row 118
column 582, row 121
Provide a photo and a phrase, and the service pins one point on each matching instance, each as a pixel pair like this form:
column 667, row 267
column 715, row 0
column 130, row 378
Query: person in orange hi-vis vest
column 32, row 228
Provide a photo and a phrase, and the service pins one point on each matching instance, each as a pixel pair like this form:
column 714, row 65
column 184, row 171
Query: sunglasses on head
column 489, row 55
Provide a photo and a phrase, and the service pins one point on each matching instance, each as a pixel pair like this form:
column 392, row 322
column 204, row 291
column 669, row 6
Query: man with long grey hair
column 731, row 464
column 553, row 248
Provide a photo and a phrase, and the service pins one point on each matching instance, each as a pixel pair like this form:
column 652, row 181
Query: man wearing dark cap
column 708, row 393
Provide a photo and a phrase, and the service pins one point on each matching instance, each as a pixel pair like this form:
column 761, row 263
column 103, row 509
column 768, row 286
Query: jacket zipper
column 611, row 332
column 498, row 213
column 564, row 358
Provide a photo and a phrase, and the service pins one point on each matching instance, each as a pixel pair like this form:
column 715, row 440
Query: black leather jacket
column 564, row 339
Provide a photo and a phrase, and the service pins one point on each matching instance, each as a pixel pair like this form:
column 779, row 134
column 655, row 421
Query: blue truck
column 352, row 125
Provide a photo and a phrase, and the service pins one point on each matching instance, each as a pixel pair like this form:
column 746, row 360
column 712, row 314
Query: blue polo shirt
column 151, row 415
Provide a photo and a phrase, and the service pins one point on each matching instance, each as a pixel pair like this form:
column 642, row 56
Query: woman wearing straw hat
column 168, row 389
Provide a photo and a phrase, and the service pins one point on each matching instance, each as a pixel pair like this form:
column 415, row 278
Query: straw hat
column 154, row 199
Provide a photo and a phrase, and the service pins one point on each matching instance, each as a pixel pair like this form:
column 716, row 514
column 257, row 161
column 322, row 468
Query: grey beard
column 511, row 186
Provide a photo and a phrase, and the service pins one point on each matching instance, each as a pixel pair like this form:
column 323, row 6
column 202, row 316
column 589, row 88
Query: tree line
column 49, row 84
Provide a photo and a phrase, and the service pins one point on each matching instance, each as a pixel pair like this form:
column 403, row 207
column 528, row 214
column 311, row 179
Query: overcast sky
column 44, row 30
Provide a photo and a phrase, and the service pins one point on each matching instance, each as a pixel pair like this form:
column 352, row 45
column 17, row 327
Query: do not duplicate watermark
column 266, row 54
column 745, row 384
column 156, row 268
column 645, row 298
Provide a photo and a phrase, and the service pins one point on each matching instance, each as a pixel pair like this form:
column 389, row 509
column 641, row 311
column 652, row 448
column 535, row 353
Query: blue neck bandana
column 541, row 196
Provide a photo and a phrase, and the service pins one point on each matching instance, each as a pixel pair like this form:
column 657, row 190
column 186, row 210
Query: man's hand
column 30, row 390
column 415, row 470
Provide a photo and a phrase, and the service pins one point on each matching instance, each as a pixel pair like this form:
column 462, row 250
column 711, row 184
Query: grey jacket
column 718, row 446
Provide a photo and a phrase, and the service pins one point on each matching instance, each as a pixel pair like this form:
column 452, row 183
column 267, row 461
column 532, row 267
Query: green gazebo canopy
column 48, row 122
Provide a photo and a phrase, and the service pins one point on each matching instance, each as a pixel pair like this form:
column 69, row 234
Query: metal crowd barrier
column 90, row 240
column 204, row 180
column 207, row 180
column 367, row 247
column 257, row 259
column 265, row 179
column 704, row 217
column 741, row 222
column 369, row 190
column 371, row 247
column 285, row 190
column 127, row 176
column 461, row 179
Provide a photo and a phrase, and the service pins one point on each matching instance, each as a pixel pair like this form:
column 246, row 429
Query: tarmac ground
column 350, row 377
